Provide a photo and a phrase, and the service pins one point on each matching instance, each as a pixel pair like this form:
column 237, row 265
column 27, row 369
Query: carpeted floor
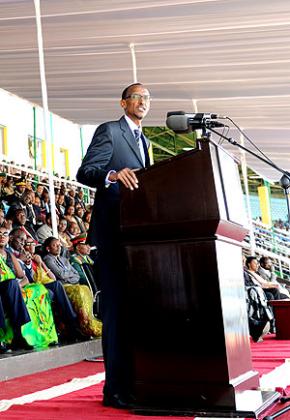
column 84, row 403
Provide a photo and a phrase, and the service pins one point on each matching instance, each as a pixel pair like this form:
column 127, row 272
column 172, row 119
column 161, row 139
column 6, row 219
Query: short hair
column 15, row 231
column 48, row 242
column 125, row 91
column 250, row 259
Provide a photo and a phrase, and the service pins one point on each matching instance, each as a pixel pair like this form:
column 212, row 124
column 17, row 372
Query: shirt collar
column 132, row 125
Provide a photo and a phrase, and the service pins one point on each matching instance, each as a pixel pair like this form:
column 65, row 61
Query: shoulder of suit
column 110, row 126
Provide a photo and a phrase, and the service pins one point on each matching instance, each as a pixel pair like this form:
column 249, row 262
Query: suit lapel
column 129, row 138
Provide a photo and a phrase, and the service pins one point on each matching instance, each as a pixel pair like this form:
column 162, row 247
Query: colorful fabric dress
column 82, row 299
column 40, row 331
column 6, row 335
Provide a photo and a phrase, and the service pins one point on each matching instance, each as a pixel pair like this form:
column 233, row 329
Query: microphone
column 181, row 122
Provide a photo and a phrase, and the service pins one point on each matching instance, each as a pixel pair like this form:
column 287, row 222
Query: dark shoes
column 18, row 343
column 3, row 348
column 116, row 401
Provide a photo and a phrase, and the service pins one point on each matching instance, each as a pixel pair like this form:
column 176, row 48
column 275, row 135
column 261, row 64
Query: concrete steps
column 20, row 363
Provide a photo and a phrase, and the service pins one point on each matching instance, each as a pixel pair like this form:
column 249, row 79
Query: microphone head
column 178, row 122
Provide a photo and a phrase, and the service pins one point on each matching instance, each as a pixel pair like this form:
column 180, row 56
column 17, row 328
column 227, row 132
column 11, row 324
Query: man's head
column 19, row 217
column 80, row 245
column 20, row 185
column 72, row 192
column 37, row 201
column 2, row 216
column 29, row 246
column 252, row 263
column 48, row 219
column 73, row 228
column 2, row 177
column 266, row 263
column 17, row 239
column 27, row 197
column 4, row 237
column 39, row 189
column 80, row 194
column 136, row 102
column 60, row 199
column 52, row 246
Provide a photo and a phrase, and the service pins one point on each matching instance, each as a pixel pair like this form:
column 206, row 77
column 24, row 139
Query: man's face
column 54, row 247
column 4, row 236
column 26, row 198
column 39, row 189
column 2, row 216
column 20, row 217
column 83, row 249
column 254, row 265
column 17, row 240
column 60, row 199
column 20, row 188
column 137, row 107
column 267, row 264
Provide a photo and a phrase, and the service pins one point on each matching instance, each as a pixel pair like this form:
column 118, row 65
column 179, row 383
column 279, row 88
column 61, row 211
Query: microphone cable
column 250, row 141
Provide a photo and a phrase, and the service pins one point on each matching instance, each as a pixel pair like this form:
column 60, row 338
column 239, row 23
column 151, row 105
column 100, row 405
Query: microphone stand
column 285, row 184
column 285, row 179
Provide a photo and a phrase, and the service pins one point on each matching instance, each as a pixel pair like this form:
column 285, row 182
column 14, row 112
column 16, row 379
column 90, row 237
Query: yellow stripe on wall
column 5, row 141
column 67, row 169
column 264, row 199
column 66, row 161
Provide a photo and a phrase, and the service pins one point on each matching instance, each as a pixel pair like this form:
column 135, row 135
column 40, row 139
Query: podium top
column 193, row 195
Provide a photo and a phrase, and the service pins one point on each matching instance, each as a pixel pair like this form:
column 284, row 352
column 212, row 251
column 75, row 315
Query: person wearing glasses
column 118, row 149
column 12, row 303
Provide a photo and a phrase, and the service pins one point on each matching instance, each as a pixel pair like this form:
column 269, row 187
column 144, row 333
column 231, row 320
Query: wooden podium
column 182, row 232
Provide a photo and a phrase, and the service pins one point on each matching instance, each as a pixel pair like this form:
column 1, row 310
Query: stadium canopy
column 230, row 57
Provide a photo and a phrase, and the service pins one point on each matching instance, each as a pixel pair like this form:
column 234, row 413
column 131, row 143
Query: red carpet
column 86, row 403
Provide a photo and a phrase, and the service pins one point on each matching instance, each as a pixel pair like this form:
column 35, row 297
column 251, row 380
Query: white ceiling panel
column 230, row 57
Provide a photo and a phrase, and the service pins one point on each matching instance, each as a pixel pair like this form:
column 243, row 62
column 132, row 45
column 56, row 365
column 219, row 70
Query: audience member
column 45, row 201
column 45, row 231
column 271, row 289
column 62, row 234
column 36, row 269
column 70, row 217
column 79, row 294
column 60, row 266
column 79, row 214
column 11, row 300
column 82, row 262
column 8, row 189
column 20, row 186
column 60, row 208
column 87, row 219
column 79, row 200
column 19, row 220
column 267, row 272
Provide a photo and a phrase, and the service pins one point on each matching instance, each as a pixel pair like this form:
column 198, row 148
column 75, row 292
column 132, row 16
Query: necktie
column 142, row 146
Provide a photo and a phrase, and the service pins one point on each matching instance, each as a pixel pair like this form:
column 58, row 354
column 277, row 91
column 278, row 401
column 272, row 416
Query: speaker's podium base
column 182, row 233
column 248, row 404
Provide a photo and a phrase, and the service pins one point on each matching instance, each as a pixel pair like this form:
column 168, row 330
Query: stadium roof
column 230, row 57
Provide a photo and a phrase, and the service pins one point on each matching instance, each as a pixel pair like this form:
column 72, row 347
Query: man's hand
column 37, row 259
column 126, row 176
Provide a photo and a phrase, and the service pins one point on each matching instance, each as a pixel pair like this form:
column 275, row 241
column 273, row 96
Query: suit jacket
column 62, row 269
column 113, row 147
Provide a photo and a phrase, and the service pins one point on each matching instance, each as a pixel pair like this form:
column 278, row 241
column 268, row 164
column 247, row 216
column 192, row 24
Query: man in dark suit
column 117, row 150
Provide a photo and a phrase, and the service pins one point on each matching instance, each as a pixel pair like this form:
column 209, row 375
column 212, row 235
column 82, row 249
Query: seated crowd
column 262, row 285
column 48, row 291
